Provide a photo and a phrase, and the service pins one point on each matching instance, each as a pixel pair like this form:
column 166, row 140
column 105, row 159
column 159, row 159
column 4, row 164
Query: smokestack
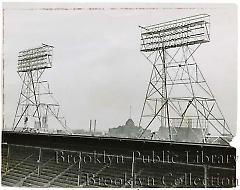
column 90, row 127
column 95, row 124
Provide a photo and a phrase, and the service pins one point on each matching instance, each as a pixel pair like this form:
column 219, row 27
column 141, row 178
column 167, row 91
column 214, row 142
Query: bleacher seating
column 24, row 166
column 22, row 161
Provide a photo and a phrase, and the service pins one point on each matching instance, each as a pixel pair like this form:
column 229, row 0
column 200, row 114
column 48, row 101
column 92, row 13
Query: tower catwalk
column 36, row 105
column 179, row 104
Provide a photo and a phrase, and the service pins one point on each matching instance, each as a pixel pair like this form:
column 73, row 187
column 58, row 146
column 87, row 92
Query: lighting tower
column 179, row 101
column 36, row 105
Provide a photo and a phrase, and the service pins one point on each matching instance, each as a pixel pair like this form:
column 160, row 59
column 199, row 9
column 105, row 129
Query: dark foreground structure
column 44, row 160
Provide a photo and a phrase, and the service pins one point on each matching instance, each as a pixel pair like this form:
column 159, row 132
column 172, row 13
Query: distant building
column 129, row 130
column 182, row 131
column 86, row 132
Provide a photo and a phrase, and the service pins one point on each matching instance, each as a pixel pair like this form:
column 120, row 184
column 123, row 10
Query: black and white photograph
column 119, row 95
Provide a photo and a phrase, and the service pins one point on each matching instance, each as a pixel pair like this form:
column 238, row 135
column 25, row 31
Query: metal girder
column 36, row 103
column 177, row 85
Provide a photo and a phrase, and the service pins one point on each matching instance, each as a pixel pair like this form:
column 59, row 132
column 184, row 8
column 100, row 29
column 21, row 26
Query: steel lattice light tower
column 178, row 100
column 36, row 103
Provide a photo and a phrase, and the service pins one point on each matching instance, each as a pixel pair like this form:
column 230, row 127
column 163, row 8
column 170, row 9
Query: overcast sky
column 98, row 70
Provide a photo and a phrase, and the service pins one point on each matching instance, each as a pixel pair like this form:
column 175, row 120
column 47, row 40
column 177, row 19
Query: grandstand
column 47, row 160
